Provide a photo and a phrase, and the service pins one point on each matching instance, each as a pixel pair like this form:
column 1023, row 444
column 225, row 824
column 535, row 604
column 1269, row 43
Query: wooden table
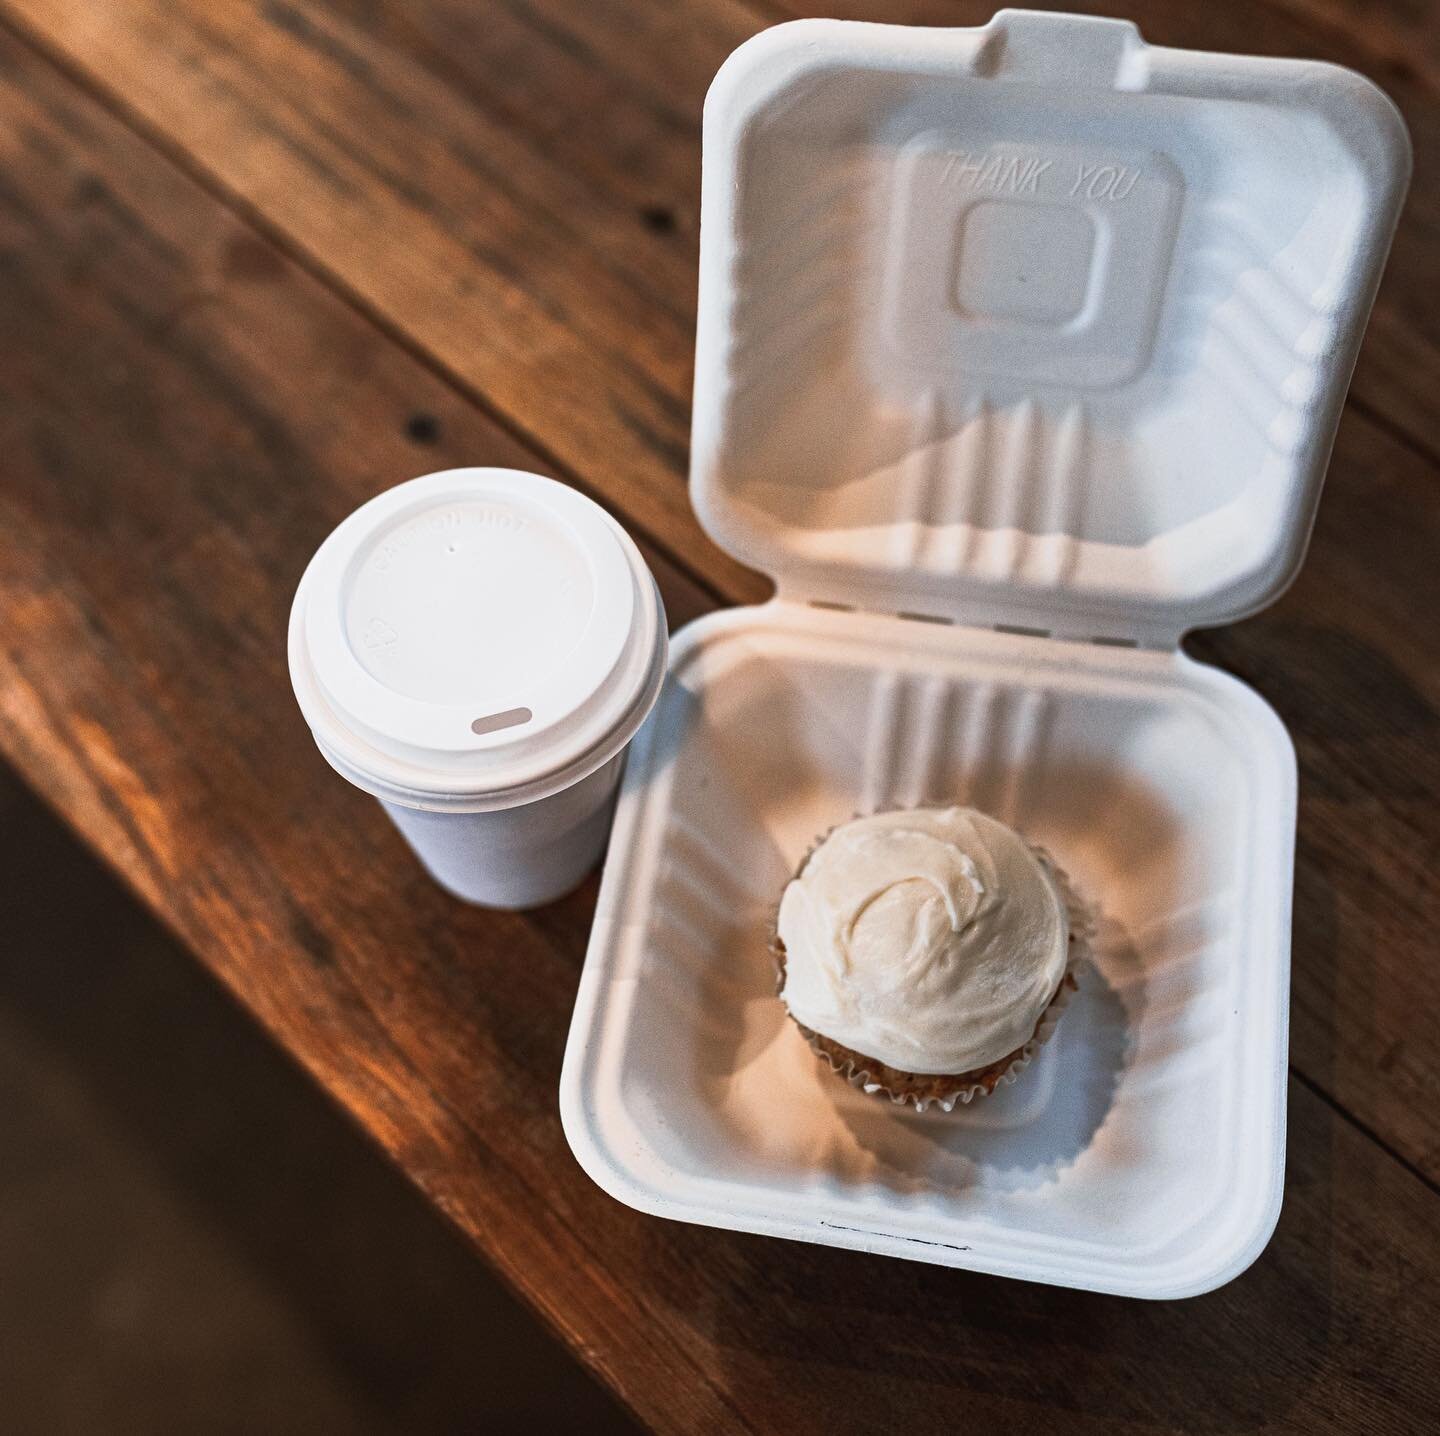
column 260, row 260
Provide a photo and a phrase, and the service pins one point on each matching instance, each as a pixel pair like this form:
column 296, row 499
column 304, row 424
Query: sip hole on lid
column 494, row 722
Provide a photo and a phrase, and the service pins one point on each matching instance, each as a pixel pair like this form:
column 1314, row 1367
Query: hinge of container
column 1020, row 629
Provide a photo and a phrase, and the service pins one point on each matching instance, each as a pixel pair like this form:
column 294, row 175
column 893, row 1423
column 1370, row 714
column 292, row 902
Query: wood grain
column 515, row 279
column 190, row 398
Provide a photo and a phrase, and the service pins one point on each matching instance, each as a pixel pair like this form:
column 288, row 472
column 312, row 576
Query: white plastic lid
column 1033, row 323
column 475, row 639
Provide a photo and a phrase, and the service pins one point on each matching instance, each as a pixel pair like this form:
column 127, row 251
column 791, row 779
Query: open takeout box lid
column 1033, row 324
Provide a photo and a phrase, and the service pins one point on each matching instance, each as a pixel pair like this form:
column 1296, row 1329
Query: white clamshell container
column 1021, row 351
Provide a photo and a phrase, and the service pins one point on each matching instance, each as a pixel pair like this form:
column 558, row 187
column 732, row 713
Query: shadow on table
column 207, row 1244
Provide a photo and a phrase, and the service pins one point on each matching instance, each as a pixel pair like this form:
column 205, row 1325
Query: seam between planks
column 1364, row 1129
column 1394, row 429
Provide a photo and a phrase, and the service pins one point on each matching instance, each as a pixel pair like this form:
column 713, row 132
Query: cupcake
column 925, row 953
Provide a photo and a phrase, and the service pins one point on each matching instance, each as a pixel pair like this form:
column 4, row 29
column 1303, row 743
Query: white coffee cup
column 476, row 648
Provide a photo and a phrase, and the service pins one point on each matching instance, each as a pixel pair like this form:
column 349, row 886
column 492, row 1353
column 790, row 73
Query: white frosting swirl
column 930, row 939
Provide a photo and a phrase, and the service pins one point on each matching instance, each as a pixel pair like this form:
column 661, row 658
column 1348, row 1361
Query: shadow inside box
column 1020, row 1138
column 753, row 1090
column 1024, row 1135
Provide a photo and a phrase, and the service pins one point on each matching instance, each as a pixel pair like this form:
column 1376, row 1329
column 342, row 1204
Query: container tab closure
column 1040, row 48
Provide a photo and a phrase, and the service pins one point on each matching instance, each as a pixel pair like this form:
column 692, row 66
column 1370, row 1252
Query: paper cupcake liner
column 1081, row 920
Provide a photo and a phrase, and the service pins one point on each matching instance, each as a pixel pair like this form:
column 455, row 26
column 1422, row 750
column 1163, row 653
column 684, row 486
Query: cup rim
column 477, row 798
column 606, row 714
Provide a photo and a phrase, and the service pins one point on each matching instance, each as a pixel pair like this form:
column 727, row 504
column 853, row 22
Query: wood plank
column 559, row 62
column 1357, row 681
column 165, row 482
column 561, row 312
column 1403, row 38
column 455, row 40
column 551, row 67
